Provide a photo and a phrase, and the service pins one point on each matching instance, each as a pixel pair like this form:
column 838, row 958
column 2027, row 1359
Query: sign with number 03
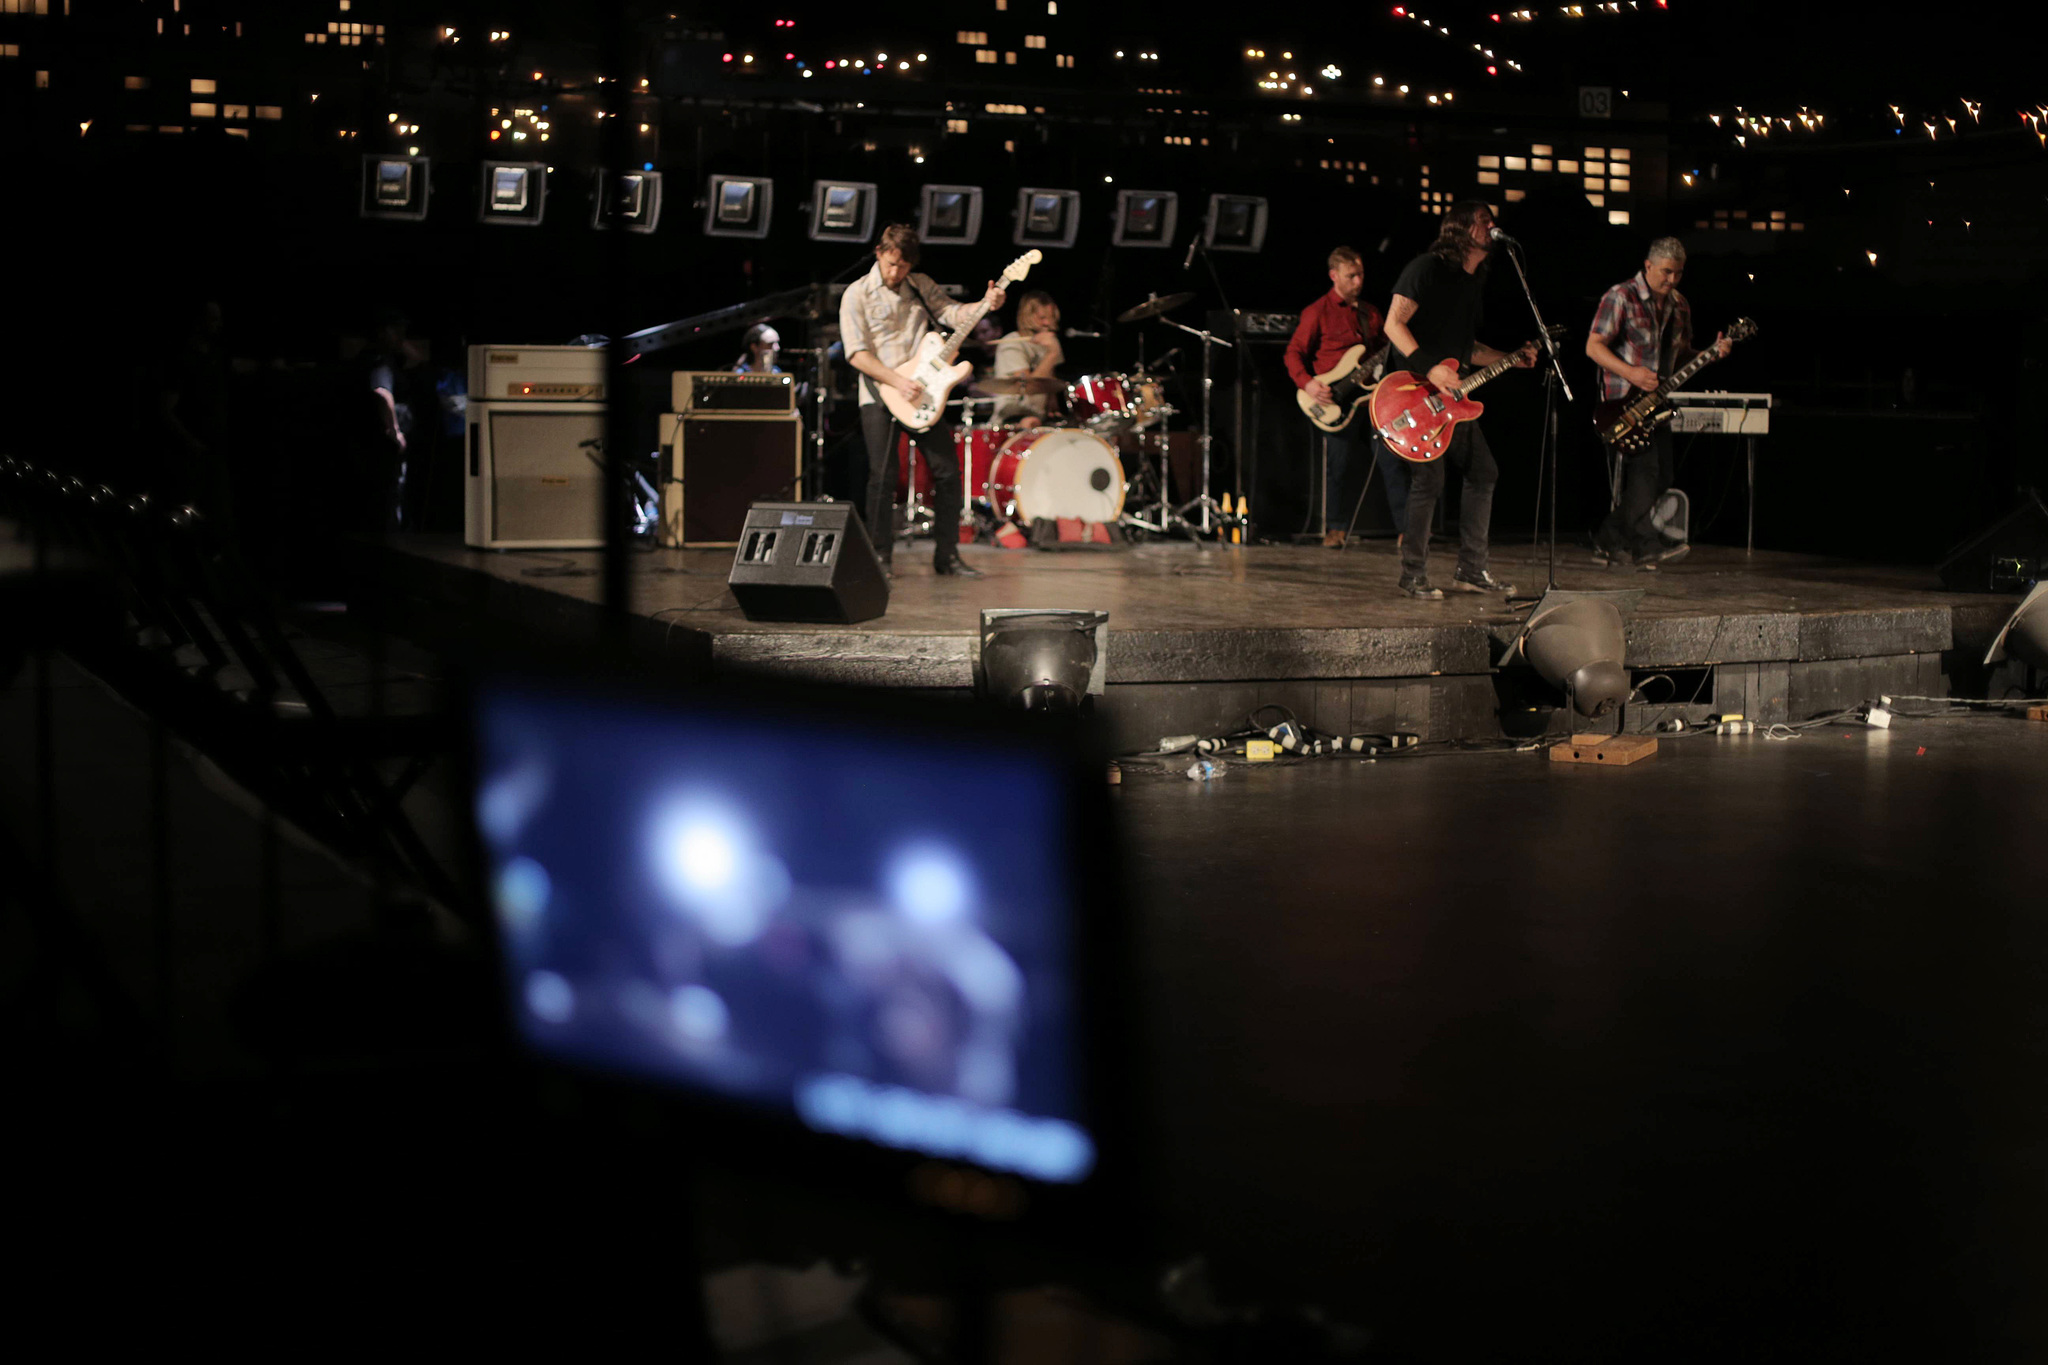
column 1596, row 101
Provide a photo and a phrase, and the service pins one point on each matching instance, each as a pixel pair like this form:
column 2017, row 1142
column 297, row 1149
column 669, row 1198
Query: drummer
column 1033, row 351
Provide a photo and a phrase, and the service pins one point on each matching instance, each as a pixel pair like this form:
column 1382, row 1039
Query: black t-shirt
column 1447, row 311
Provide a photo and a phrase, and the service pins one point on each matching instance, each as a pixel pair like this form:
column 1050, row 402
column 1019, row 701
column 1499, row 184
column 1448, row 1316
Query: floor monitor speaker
column 807, row 561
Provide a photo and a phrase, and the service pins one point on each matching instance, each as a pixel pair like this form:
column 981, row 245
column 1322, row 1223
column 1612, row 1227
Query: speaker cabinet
column 2007, row 556
column 534, row 482
column 718, row 464
column 807, row 561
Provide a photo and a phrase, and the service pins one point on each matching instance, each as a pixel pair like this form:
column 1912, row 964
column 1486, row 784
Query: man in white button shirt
column 882, row 318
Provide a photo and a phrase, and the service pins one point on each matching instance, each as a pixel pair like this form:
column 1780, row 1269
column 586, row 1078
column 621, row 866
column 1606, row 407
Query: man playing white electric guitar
column 883, row 317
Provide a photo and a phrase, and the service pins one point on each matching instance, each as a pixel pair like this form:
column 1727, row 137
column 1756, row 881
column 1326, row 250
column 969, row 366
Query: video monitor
column 1237, row 222
column 842, row 926
column 738, row 206
column 394, row 183
column 508, row 189
column 842, row 210
column 630, row 199
column 395, row 187
column 515, row 192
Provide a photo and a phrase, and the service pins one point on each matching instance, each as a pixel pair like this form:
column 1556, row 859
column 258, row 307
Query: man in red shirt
column 1329, row 327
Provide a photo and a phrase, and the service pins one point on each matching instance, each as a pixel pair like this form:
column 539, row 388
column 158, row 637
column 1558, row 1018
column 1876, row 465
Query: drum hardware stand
column 1164, row 523
column 1209, row 513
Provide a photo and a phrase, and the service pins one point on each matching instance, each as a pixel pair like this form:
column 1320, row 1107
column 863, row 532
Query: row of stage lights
column 514, row 193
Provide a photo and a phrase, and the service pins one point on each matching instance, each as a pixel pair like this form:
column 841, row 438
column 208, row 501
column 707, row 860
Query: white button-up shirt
column 889, row 323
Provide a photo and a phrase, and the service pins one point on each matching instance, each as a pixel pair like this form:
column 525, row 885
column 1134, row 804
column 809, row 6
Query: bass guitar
column 1628, row 423
column 1416, row 420
column 1350, row 387
column 937, row 364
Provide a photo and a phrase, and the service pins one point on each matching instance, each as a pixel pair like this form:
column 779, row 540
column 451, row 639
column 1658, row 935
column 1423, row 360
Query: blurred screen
column 949, row 211
column 736, row 203
column 869, row 931
column 394, row 183
column 508, row 188
column 1045, row 214
column 842, row 206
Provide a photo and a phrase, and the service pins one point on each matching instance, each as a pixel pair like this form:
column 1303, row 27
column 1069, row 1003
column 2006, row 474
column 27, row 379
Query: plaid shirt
column 1642, row 331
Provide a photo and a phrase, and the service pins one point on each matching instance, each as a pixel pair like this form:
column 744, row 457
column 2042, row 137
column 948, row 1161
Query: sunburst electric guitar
column 937, row 364
column 1416, row 421
column 1350, row 385
column 1629, row 423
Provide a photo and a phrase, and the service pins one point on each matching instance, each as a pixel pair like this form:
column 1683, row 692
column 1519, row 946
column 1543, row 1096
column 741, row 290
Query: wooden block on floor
column 1612, row 750
column 2037, row 713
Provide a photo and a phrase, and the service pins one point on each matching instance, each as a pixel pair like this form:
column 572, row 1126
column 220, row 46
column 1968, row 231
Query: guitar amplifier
column 717, row 464
column 534, row 480
column 536, row 374
column 1276, row 325
column 725, row 391
column 1731, row 414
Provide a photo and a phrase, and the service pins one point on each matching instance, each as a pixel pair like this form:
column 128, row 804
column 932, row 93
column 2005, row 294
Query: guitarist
column 882, row 318
column 1329, row 327
column 1642, row 332
column 1433, row 320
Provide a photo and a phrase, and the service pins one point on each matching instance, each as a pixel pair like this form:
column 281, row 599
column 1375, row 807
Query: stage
column 1201, row 634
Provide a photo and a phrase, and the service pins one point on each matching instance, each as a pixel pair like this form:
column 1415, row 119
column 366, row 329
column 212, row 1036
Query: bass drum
column 1055, row 472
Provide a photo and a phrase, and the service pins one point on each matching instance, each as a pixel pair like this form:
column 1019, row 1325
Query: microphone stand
column 1201, row 244
column 1553, row 380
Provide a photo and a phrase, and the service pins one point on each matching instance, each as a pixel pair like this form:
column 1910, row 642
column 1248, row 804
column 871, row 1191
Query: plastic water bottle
column 1204, row 769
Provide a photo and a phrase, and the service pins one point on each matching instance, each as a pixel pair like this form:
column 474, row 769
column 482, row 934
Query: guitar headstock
column 1742, row 329
column 1019, row 268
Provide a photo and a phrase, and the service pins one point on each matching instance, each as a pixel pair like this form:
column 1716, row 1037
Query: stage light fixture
column 1145, row 218
column 842, row 210
column 395, row 187
column 1047, row 217
column 1042, row 659
column 515, row 193
column 634, row 203
column 738, row 205
column 949, row 215
column 1576, row 642
column 1236, row 222
column 2024, row 636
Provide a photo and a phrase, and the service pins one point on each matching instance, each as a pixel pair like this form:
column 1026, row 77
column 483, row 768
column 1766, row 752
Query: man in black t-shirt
column 1434, row 318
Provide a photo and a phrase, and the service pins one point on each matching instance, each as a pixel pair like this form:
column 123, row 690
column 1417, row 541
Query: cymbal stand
column 1209, row 515
column 1162, row 522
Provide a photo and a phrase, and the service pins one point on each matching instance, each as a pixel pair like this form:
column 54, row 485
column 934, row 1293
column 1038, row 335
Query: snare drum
column 1055, row 472
column 1103, row 402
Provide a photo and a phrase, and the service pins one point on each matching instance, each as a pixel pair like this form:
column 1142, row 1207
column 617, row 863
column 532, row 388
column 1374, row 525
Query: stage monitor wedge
column 842, row 210
column 634, row 201
column 738, row 205
column 515, row 193
column 396, row 187
column 949, row 215
column 1047, row 217
column 1145, row 218
column 807, row 561
column 1236, row 222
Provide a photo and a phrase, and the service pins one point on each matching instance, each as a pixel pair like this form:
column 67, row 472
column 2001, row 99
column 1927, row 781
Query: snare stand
column 1206, row 505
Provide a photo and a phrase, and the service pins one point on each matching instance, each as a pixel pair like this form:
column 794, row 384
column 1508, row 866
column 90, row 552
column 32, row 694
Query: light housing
column 738, row 205
column 396, row 187
column 842, row 210
column 1042, row 659
column 1236, row 222
column 1047, row 217
column 1145, row 218
column 1576, row 641
column 949, row 215
column 515, row 193
column 2024, row 636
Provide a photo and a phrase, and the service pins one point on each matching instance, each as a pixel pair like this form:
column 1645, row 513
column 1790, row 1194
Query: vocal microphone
column 1194, row 243
column 1497, row 235
column 1077, row 332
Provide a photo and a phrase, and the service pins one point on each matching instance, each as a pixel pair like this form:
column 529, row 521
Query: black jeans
column 1344, row 448
column 1645, row 474
column 1474, row 459
column 878, row 429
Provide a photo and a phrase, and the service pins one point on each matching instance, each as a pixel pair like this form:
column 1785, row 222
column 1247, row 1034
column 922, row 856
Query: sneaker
column 1419, row 587
column 1479, row 582
column 1333, row 540
column 1604, row 557
column 1646, row 566
column 1671, row 552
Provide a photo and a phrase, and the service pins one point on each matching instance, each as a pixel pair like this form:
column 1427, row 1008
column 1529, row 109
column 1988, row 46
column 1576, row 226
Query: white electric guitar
column 936, row 364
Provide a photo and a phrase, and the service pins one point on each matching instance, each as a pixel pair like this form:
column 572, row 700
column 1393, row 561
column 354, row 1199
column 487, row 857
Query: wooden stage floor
column 1253, row 621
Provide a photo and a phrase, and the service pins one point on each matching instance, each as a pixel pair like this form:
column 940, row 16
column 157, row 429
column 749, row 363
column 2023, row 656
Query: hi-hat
column 1153, row 307
column 1023, row 383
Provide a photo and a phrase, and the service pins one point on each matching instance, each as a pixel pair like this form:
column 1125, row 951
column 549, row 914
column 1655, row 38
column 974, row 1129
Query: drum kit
column 1069, row 467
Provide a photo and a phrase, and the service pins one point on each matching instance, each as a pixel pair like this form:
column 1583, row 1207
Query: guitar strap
column 873, row 390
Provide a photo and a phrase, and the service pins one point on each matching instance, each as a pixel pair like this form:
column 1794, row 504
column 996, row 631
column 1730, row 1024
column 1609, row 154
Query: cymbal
column 1153, row 307
column 1024, row 384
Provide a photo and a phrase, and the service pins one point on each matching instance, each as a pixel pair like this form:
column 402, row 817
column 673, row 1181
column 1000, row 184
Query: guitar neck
column 951, row 350
column 1497, row 368
column 1676, row 379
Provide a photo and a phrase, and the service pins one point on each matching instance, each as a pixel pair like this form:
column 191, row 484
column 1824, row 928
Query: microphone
column 1497, row 235
column 1077, row 332
column 1194, row 244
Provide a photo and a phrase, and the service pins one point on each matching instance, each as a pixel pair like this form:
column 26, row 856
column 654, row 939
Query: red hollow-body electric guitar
column 1416, row 421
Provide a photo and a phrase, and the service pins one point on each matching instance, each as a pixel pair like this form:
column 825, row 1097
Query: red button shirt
column 1329, row 327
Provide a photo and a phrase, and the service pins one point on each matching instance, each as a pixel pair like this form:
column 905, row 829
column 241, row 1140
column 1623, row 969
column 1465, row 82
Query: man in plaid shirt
column 1642, row 332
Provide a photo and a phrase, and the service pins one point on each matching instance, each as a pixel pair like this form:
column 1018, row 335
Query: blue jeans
column 1342, row 454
